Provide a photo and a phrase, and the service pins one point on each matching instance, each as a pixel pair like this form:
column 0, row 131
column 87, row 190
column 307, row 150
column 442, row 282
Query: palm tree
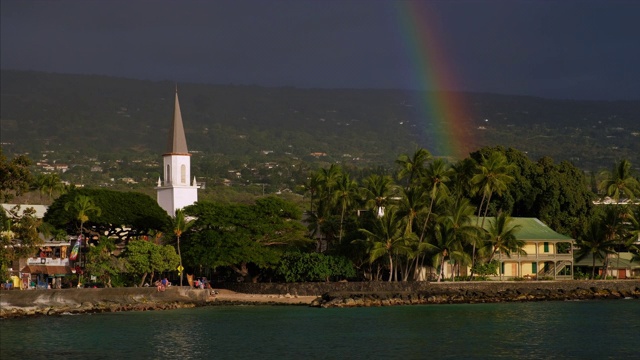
column 48, row 184
column 594, row 243
column 345, row 194
column 413, row 166
column 436, row 176
column 492, row 177
column 632, row 237
column 327, row 181
column 412, row 201
column 463, row 172
column 40, row 184
column 82, row 208
column 53, row 184
column 448, row 245
column 179, row 225
column 377, row 192
column 318, row 229
column 387, row 238
column 620, row 182
column 615, row 221
column 313, row 187
column 502, row 238
column 459, row 214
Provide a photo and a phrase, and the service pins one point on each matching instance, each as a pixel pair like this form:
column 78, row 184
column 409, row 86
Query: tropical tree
column 179, row 225
column 615, row 220
column 15, row 176
column 101, row 263
column 413, row 166
column 125, row 215
column 492, row 177
column 48, row 184
column 83, row 209
column 345, row 195
column 435, row 179
column 387, row 238
column 447, row 245
column 502, row 238
column 248, row 239
column 463, row 232
column 595, row 243
column 144, row 258
column 19, row 235
column 313, row 187
column 619, row 182
column 377, row 192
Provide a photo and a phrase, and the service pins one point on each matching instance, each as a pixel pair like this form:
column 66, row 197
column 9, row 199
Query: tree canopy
column 124, row 215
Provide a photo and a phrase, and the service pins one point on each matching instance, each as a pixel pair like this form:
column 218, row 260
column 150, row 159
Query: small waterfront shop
column 48, row 268
column 44, row 276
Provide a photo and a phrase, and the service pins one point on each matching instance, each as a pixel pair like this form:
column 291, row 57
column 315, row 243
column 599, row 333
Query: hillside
column 115, row 118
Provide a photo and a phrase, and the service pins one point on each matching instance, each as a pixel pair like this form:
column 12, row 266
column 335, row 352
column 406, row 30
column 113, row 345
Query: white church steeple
column 175, row 190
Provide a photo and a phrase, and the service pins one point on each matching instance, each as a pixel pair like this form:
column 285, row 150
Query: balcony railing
column 543, row 256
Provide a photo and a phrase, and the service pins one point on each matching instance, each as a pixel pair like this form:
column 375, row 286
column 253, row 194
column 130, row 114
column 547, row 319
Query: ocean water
column 537, row 330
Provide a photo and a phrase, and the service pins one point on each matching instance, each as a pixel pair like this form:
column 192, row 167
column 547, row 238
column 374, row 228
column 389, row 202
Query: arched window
column 183, row 174
column 167, row 175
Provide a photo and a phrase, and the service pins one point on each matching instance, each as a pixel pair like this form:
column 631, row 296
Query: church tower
column 176, row 189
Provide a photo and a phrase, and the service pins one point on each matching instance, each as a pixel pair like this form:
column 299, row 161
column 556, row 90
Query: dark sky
column 558, row 49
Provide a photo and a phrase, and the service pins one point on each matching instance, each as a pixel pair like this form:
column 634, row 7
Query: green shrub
column 304, row 267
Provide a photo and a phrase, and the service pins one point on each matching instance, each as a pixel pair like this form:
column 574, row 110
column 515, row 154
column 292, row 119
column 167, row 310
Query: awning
column 49, row 270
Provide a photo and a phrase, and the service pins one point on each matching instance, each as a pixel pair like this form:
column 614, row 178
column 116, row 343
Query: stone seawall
column 17, row 303
column 384, row 293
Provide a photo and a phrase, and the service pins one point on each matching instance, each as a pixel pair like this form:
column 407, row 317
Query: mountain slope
column 98, row 114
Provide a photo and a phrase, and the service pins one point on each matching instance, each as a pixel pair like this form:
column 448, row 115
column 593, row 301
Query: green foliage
column 303, row 267
column 557, row 194
column 101, row 263
column 138, row 212
column 237, row 235
column 19, row 236
column 15, row 176
column 486, row 269
column 144, row 257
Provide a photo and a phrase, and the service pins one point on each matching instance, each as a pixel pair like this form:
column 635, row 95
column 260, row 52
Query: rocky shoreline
column 470, row 296
column 17, row 303
column 357, row 294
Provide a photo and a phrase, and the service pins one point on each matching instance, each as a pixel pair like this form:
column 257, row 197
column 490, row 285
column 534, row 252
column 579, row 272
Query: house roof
column 622, row 260
column 531, row 229
column 177, row 144
column 47, row 269
column 40, row 209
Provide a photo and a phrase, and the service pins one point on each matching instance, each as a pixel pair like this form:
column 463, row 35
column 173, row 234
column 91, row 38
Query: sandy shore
column 228, row 296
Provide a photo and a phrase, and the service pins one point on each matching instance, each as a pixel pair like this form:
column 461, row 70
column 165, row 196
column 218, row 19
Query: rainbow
column 447, row 124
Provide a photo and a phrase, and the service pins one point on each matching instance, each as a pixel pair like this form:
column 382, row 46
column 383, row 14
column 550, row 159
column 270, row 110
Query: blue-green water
column 537, row 330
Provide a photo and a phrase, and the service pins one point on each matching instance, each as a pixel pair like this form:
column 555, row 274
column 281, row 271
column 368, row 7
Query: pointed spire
column 159, row 182
column 177, row 139
column 195, row 183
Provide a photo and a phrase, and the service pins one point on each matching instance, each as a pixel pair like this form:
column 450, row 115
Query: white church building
column 176, row 189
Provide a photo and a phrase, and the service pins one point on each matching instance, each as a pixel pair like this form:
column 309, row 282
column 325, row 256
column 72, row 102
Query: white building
column 177, row 189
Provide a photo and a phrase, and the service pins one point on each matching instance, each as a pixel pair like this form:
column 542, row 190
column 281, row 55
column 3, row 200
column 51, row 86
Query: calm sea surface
column 537, row 330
